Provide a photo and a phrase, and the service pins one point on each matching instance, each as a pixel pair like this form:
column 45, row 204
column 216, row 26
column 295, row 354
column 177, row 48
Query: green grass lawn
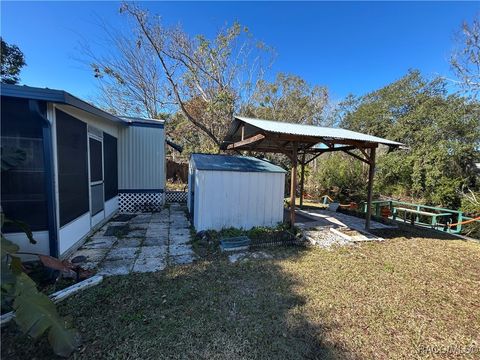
column 391, row 300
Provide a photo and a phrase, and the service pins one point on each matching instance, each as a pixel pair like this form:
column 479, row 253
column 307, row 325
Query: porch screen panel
column 72, row 167
column 23, row 182
column 97, row 198
column 110, row 162
column 96, row 167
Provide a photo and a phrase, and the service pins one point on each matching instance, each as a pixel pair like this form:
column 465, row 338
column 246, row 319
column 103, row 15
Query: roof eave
column 55, row 96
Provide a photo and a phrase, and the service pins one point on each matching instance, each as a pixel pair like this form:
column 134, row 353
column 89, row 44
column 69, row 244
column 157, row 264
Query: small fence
column 447, row 220
column 175, row 196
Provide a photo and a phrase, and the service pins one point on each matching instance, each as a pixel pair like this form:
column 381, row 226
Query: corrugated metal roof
column 311, row 130
column 233, row 163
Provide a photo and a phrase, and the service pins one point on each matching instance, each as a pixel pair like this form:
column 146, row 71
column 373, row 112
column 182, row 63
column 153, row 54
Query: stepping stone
column 143, row 218
column 100, row 243
column 179, row 232
column 155, row 241
column 157, row 252
column 92, row 255
column 148, row 265
column 179, row 239
column 177, row 250
column 116, row 267
column 123, row 217
column 117, row 230
column 121, row 253
column 128, row 243
column 158, row 227
column 136, row 233
column 140, row 226
column 156, row 233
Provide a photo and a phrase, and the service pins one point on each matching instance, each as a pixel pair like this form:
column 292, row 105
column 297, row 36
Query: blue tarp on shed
column 233, row 163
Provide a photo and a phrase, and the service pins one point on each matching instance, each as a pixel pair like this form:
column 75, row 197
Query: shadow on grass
column 413, row 232
column 207, row 310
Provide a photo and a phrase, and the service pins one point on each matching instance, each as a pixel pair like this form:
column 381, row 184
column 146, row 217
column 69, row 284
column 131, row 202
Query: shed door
column 95, row 145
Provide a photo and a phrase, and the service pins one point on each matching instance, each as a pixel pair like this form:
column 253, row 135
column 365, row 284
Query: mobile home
column 68, row 166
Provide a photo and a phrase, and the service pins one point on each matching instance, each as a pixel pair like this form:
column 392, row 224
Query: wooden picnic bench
column 415, row 213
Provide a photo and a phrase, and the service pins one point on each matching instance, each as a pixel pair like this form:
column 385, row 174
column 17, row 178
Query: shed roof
column 221, row 162
column 280, row 127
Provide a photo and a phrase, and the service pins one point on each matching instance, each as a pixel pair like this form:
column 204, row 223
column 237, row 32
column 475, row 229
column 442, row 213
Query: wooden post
column 302, row 180
column 371, row 172
column 293, row 185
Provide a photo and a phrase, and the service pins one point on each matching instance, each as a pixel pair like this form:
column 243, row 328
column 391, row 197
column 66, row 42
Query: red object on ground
column 385, row 212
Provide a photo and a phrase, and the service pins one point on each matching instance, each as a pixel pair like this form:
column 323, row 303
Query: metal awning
column 297, row 141
column 277, row 136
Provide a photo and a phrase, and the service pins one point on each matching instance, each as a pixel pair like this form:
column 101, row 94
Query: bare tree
column 289, row 98
column 465, row 60
column 159, row 69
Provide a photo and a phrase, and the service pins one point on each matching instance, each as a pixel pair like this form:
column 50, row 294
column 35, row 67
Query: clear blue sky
column 349, row 47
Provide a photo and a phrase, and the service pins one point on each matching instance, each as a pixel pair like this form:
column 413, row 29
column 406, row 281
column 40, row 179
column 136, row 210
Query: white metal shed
column 234, row 191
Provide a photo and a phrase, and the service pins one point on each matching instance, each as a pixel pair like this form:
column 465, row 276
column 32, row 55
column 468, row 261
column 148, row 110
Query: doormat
column 123, row 217
column 117, row 230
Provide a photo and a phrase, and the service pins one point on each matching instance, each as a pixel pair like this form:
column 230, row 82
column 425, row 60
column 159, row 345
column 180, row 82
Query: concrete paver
column 154, row 241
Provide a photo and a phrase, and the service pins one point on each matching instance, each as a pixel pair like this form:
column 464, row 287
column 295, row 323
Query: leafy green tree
column 441, row 130
column 339, row 176
column 12, row 61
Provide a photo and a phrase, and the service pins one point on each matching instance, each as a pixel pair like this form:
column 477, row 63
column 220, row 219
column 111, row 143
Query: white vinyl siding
column 224, row 199
column 141, row 158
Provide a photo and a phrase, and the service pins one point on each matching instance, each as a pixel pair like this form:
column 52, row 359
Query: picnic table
column 414, row 214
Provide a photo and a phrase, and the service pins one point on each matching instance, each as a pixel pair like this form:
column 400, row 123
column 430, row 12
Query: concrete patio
column 146, row 242
column 319, row 217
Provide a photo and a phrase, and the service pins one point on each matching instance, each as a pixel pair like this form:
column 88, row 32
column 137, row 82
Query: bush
column 339, row 176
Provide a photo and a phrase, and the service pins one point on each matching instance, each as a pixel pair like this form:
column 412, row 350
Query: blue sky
column 349, row 47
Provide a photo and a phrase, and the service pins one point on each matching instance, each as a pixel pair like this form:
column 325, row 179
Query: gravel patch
column 325, row 238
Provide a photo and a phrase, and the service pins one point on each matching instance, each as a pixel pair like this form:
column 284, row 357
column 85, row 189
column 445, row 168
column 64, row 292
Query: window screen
column 110, row 163
column 96, row 159
column 72, row 167
column 97, row 198
column 23, row 185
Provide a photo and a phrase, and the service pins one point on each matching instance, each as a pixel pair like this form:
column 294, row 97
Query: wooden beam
column 302, row 180
column 247, row 141
column 364, row 152
column 293, row 185
column 356, row 143
column 314, row 151
column 293, row 137
column 357, row 157
column 313, row 158
column 371, row 173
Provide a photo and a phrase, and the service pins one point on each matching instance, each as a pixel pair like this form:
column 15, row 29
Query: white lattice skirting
column 175, row 196
column 140, row 202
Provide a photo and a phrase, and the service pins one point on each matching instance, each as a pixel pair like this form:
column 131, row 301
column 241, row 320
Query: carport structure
column 302, row 144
